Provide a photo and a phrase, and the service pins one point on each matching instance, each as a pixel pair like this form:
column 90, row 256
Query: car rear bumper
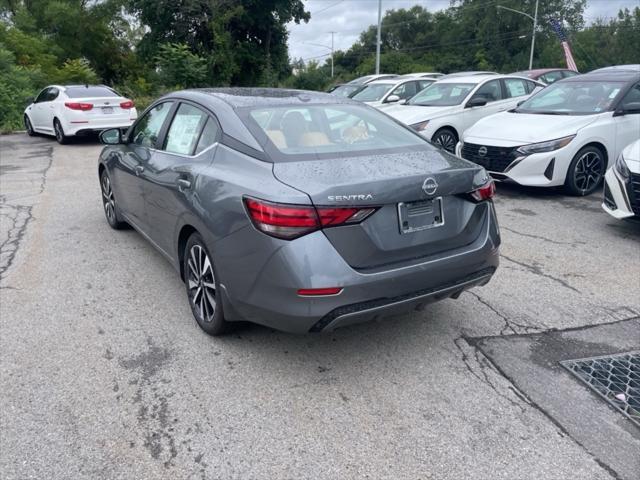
column 263, row 286
column 89, row 127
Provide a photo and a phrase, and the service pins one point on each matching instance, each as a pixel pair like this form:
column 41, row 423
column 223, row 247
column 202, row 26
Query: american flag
column 571, row 64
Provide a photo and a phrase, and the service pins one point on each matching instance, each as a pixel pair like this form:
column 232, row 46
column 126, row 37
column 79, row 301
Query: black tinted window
column 147, row 130
column 52, row 94
column 209, row 135
column 490, row 91
column 81, row 92
column 42, row 96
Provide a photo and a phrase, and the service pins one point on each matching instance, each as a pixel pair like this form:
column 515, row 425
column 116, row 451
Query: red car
column 547, row 75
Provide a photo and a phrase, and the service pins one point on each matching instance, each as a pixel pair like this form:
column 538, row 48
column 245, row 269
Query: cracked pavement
column 104, row 373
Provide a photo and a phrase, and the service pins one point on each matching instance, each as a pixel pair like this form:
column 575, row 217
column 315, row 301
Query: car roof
column 634, row 67
column 542, row 71
column 394, row 81
column 238, row 97
column 611, row 75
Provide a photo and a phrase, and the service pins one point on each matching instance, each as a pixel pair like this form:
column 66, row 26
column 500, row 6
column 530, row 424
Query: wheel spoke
column 207, row 266
column 194, row 263
column 192, row 284
column 209, row 285
column 211, row 300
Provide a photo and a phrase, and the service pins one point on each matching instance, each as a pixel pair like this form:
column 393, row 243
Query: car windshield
column 373, row 92
column 82, row 92
column 442, row 94
column 311, row 130
column 345, row 90
column 573, row 98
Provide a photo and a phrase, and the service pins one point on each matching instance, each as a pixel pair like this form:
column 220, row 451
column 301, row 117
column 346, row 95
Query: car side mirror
column 631, row 107
column 392, row 99
column 404, row 102
column 520, row 103
column 476, row 102
column 113, row 136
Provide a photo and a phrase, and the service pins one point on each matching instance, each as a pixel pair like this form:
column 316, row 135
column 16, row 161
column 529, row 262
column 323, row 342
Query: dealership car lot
column 106, row 375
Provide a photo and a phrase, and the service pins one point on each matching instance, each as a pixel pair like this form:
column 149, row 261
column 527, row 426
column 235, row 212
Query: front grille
column 615, row 378
column 496, row 159
column 633, row 190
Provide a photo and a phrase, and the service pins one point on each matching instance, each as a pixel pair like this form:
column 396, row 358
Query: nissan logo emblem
column 429, row 186
column 482, row 151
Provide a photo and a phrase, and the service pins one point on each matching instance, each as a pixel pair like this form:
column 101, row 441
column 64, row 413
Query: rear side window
column 515, row 87
column 184, row 133
column 569, row 73
column 209, row 135
column 81, row 92
column 52, row 94
column 147, row 130
column 405, row 90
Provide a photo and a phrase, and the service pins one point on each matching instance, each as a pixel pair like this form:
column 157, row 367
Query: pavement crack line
column 484, row 365
column 20, row 216
column 509, row 324
column 473, row 343
column 536, row 270
column 540, row 237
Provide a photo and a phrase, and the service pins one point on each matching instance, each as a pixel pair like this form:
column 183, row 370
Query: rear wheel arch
column 185, row 232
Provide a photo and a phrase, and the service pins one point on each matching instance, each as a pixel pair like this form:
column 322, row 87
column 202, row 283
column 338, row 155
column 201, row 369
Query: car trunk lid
column 419, row 194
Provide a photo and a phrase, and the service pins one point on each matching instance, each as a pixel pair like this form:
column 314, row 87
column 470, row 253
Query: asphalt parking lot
column 105, row 374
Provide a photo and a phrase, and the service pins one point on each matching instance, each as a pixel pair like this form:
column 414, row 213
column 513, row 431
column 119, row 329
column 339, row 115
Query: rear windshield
column 313, row 130
column 81, row 92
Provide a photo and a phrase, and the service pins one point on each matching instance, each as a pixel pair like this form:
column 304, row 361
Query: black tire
column 202, row 285
column 586, row 171
column 28, row 127
column 59, row 132
column 445, row 138
column 109, row 204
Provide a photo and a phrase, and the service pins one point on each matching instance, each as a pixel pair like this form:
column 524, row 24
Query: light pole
column 378, row 39
column 327, row 47
column 535, row 25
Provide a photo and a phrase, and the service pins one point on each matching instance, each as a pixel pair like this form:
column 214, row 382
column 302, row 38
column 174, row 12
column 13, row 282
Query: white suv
column 445, row 109
column 65, row 111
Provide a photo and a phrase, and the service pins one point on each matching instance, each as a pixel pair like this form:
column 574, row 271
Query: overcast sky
column 350, row 17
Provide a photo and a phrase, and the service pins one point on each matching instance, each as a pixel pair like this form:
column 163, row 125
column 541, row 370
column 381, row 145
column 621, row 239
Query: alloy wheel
column 58, row 131
column 201, row 283
column 588, row 171
column 446, row 140
column 108, row 200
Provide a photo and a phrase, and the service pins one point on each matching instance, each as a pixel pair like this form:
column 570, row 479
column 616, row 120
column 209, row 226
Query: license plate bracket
column 420, row 215
column 107, row 110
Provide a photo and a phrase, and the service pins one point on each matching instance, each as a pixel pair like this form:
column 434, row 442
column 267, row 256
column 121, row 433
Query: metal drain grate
column 616, row 378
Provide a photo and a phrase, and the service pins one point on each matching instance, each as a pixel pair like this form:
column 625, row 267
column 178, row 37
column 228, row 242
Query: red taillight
column 319, row 292
column 485, row 192
column 79, row 106
column 127, row 104
column 293, row 221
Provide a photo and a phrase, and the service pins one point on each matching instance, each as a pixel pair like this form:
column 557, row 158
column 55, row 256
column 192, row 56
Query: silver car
column 298, row 210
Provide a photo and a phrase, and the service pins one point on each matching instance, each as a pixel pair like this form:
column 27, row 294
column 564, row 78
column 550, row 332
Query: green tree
column 179, row 68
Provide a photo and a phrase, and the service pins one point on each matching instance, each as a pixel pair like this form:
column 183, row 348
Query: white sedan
column 622, row 184
column 566, row 135
column 382, row 92
column 445, row 109
column 68, row 110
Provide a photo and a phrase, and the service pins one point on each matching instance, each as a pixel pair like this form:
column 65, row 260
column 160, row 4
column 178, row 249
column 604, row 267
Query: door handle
column 139, row 169
column 183, row 184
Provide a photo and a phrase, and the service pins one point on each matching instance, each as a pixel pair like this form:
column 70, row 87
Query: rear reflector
column 485, row 192
column 127, row 104
column 292, row 221
column 319, row 292
column 78, row 106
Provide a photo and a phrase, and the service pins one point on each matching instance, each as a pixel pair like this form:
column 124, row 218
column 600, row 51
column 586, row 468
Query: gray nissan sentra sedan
column 298, row 210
